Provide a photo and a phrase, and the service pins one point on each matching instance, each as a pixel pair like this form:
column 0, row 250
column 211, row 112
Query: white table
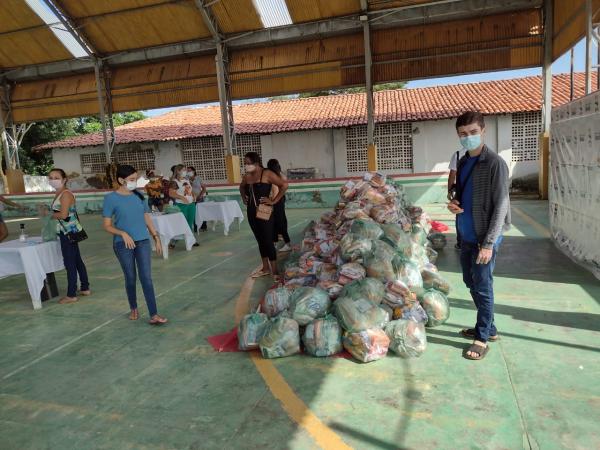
column 225, row 212
column 172, row 226
column 33, row 258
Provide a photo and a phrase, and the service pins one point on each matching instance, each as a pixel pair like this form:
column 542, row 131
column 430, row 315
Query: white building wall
column 339, row 153
column 167, row 155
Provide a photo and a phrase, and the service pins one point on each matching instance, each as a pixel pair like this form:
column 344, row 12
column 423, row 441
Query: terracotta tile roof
column 339, row 111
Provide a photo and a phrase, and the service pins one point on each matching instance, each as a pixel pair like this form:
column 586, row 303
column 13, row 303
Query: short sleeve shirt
column 454, row 160
column 127, row 212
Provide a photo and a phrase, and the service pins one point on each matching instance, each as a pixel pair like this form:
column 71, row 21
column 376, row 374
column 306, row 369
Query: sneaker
column 286, row 248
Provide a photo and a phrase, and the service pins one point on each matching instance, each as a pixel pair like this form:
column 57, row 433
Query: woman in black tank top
column 256, row 189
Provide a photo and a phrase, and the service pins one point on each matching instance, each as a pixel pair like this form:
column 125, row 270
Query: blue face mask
column 471, row 142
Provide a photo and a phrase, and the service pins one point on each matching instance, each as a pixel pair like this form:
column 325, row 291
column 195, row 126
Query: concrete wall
column 302, row 149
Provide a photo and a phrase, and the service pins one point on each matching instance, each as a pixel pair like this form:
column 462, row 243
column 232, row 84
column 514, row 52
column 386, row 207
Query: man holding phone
column 482, row 205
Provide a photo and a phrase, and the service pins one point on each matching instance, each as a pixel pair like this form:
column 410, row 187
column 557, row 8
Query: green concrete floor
column 83, row 377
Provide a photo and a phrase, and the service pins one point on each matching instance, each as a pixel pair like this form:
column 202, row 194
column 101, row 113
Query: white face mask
column 131, row 185
column 56, row 184
column 250, row 168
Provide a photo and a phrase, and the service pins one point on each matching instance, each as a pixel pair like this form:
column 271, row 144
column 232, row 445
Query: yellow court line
column 541, row 229
column 281, row 390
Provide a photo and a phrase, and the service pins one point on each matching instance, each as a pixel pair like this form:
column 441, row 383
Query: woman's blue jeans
column 140, row 257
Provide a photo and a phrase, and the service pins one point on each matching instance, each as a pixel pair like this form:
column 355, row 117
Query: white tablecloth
column 35, row 259
column 170, row 226
column 225, row 212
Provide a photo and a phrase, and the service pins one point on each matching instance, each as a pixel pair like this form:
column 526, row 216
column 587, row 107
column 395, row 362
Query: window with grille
column 207, row 154
column 247, row 143
column 93, row 162
column 394, row 147
column 526, row 128
column 141, row 158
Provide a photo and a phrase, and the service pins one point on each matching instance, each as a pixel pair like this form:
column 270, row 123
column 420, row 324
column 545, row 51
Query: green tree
column 92, row 124
column 354, row 90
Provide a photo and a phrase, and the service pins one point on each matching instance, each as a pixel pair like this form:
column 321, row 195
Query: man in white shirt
column 456, row 156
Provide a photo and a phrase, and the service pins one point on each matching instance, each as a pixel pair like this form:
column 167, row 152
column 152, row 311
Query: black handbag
column 77, row 236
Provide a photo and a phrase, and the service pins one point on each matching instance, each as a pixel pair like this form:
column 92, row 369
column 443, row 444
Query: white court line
column 93, row 330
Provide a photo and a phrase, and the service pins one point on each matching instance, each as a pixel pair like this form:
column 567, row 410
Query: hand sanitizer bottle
column 22, row 235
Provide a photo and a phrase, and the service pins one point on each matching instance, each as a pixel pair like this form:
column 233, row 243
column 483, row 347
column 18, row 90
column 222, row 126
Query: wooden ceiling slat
column 310, row 10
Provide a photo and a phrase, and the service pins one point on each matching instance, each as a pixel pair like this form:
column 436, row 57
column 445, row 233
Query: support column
column 232, row 161
column 105, row 107
column 544, row 139
column 589, row 40
column 13, row 178
column 371, row 147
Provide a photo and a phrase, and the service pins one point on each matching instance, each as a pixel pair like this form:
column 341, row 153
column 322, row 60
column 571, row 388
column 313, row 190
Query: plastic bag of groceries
column 407, row 272
column 308, row 304
column 348, row 192
column 438, row 240
column 380, row 268
column 373, row 197
column 333, row 288
column 418, row 234
column 411, row 311
column 395, row 235
column 385, row 214
column 302, row 281
column 354, row 210
column 383, row 250
column 433, row 280
column 370, row 288
column 359, row 314
column 327, row 272
column 250, row 330
column 419, row 256
column 397, row 294
column 432, row 255
column 354, row 248
column 323, row 337
column 367, row 229
column 326, row 247
column 375, row 179
column 281, row 338
column 367, row 345
column 308, row 244
column 407, row 338
column 350, row 272
column 436, row 306
column 275, row 301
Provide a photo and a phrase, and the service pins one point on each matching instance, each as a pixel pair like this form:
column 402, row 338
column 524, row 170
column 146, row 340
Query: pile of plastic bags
column 365, row 280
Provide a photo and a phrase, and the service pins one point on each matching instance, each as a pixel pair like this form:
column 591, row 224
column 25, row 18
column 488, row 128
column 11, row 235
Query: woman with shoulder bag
column 255, row 190
column 127, row 217
column 70, row 233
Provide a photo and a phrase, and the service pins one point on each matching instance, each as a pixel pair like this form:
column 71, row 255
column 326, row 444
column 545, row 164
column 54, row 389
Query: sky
column 561, row 65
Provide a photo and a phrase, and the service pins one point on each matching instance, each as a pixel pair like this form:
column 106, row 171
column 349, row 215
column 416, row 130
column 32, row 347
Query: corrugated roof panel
column 36, row 46
column 16, row 15
column 385, row 4
column 569, row 24
column 308, row 10
column 237, row 16
column 150, row 23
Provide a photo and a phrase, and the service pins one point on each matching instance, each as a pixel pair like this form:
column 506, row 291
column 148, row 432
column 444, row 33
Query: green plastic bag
column 281, row 338
column 418, row 235
column 436, row 306
column 382, row 249
column 397, row 237
column 370, row 288
column 407, row 338
column 250, row 330
column 380, row 268
column 367, row 229
column 323, row 337
column 433, row 280
column 408, row 273
column 308, row 304
column 49, row 229
column 359, row 314
column 171, row 209
column 354, row 247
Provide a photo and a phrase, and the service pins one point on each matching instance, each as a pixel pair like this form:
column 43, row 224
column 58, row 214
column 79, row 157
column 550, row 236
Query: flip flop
column 158, row 320
column 469, row 333
column 259, row 274
column 476, row 348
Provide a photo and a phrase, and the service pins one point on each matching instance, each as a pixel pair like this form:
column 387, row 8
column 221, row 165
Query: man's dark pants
column 479, row 279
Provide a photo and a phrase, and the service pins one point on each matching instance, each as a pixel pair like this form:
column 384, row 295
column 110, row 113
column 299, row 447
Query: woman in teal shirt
column 127, row 217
